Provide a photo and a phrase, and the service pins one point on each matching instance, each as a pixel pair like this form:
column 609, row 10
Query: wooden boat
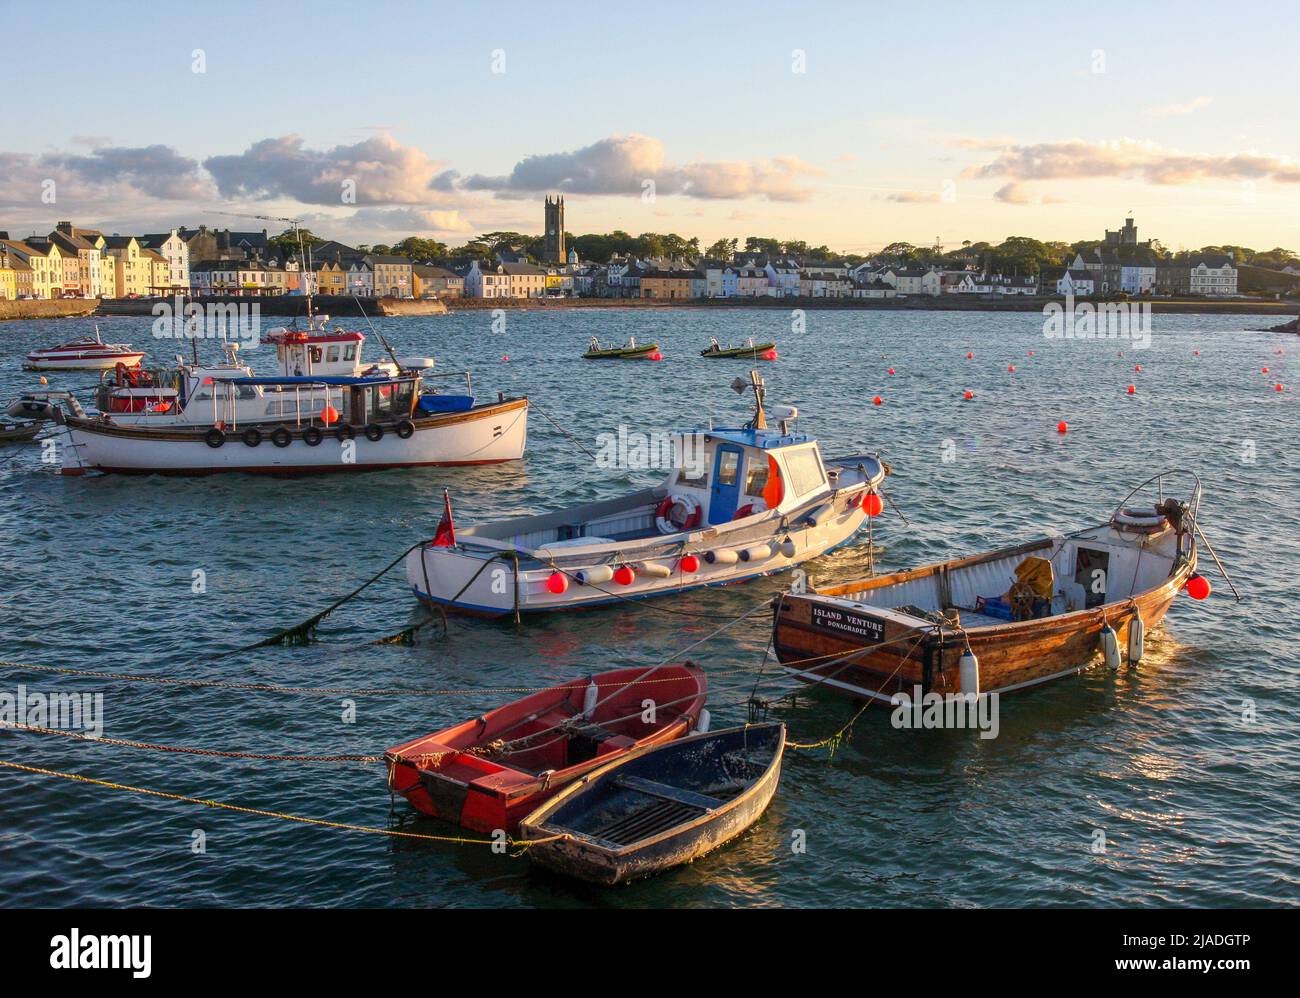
column 660, row 807
column 379, row 422
column 629, row 351
column 489, row 772
column 749, row 351
column 18, row 433
column 89, row 353
column 1027, row 614
column 737, row 504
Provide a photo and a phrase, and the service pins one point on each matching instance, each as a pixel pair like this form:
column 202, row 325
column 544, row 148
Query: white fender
column 788, row 548
column 759, row 552
column 722, row 556
column 968, row 672
column 589, row 698
column 1137, row 635
column 702, row 723
column 654, row 569
column 819, row 515
column 1109, row 646
column 594, row 576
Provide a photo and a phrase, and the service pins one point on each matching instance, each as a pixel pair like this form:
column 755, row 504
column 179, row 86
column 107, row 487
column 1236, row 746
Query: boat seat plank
column 664, row 792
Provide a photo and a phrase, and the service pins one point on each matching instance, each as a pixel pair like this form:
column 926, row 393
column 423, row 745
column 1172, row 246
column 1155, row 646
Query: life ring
column 345, row 432
column 749, row 509
column 687, row 519
column 214, row 438
column 1148, row 521
column 251, row 436
column 405, row 428
column 281, row 436
column 374, row 432
column 312, row 436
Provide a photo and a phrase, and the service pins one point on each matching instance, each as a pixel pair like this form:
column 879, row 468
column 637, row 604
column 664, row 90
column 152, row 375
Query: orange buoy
column 1132, row 389
column 624, row 575
column 557, row 583
column 1263, row 370
column 329, row 415
column 872, row 504
column 1198, row 586
column 1277, row 387
column 877, row 401
column 689, row 564
column 1011, row 368
column 969, row 355
column 1062, row 427
column 505, row 356
column 656, row 356
column 968, row 396
column 891, row 370
column 1196, row 353
column 1137, row 367
column 770, row 355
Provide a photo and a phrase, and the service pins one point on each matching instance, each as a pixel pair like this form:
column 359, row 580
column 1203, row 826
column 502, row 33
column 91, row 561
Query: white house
column 784, row 279
column 1078, row 283
column 361, row 279
column 1213, row 275
column 176, row 251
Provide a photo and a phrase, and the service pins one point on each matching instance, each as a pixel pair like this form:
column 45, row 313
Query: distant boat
column 660, row 807
column 489, row 772
column 89, row 353
column 629, row 351
column 18, row 433
column 1000, row 621
column 749, row 351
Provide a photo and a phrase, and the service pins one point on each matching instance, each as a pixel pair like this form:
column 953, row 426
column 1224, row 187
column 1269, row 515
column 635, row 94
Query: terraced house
column 667, row 284
column 392, row 276
column 133, row 270
column 42, row 284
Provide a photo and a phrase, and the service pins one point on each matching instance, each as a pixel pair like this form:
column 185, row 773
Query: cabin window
column 1091, row 568
column 333, row 355
column 693, row 476
column 350, row 352
column 756, row 477
column 804, row 471
column 728, row 467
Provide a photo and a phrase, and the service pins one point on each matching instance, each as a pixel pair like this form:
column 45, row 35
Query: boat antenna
column 378, row 334
column 740, row 386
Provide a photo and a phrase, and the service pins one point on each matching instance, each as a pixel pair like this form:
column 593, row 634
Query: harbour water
column 1188, row 766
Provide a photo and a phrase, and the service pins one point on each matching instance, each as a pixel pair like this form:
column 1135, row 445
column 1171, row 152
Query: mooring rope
column 262, row 812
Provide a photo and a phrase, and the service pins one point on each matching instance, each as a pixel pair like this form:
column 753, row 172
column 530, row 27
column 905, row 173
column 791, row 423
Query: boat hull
column 639, row 353
column 89, row 361
column 872, row 654
column 747, row 353
column 445, row 775
column 486, row 434
column 488, row 583
column 589, row 858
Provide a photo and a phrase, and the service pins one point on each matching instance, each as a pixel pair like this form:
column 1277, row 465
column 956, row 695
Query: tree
column 723, row 249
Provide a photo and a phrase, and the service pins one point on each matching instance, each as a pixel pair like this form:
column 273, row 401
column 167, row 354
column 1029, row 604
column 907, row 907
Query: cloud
column 1077, row 159
column 383, row 171
column 1187, row 107
column 623, row 164
column 98, row 178
column 409, row 220
column 913, row 197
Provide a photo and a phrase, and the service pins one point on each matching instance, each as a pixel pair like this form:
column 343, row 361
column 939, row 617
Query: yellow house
column 24, row 261
column 8, row 277
column 160, row 271
column 666, row 284
column 134, row 271
column 330, row 279
column 108, row 276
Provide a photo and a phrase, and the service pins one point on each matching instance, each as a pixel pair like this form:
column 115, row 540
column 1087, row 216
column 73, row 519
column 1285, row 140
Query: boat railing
column 1193, row 499
column 469, row 383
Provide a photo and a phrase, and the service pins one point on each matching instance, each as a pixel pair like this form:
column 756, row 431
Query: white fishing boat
column 193, row 394
column 324, row 424
column 738, row 503
column 89, row 353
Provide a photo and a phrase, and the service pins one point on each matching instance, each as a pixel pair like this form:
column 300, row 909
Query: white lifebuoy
column 1134, row 519
column 669, row 521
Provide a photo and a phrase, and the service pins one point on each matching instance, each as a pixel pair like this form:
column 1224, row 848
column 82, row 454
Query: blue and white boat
column 738, row 503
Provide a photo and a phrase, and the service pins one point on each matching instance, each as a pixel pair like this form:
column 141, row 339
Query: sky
column 852, row 125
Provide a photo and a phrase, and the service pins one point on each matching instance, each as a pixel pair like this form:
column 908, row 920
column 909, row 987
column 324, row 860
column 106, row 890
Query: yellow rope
column 78, row 778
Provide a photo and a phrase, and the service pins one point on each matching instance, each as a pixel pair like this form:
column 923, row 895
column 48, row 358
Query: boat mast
column 740, row 385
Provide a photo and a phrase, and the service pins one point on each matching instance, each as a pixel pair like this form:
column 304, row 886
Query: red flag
column 446, row 535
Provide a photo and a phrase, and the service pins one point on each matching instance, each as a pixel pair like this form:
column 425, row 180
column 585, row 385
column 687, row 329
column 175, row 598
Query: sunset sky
column 847, row 124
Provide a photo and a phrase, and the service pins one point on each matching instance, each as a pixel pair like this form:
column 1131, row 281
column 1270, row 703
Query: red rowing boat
column 490, row 772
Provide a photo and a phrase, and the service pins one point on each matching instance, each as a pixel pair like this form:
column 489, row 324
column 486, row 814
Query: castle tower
column 553, row 245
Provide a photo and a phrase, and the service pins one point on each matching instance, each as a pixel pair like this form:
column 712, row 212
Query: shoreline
column 291, row 306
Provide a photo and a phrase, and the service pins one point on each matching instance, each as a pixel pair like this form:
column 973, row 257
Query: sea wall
column 55, row 308
column 411, row 306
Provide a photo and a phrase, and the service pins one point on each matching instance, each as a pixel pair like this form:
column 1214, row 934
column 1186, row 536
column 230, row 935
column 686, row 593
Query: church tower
column 553, row 246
